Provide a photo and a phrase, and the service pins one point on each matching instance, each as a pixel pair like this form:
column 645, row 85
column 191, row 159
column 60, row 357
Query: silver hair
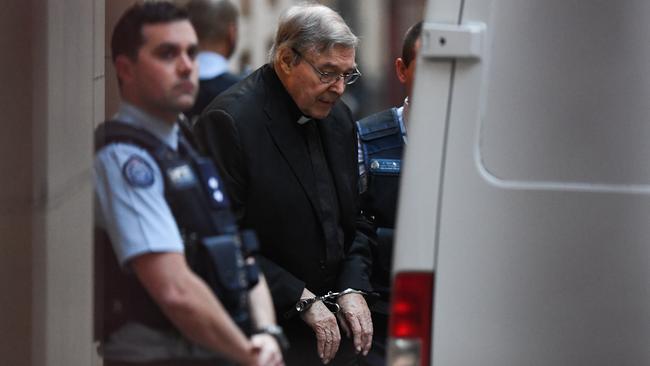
column 312, row 27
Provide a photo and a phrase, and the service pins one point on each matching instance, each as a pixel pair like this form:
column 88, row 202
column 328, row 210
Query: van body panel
column 528, row 194
column 426, row 145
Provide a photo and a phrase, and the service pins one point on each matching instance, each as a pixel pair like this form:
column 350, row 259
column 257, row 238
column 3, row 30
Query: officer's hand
column 355, row 316
column 251, row 358
column 323, row 322
column 269, row 351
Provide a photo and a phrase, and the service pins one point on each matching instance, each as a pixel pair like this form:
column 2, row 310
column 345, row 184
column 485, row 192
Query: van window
column 545, row 93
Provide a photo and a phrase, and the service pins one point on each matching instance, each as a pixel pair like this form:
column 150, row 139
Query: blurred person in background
column 215, row 22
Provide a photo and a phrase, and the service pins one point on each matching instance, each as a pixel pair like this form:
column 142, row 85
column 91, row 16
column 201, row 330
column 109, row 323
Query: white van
column 523, row 233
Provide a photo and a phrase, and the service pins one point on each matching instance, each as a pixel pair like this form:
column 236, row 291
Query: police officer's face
column 163, row 79
column 313, row 97
column 406, row 74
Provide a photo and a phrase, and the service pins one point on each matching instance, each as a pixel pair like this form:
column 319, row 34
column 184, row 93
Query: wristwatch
column 276, row 332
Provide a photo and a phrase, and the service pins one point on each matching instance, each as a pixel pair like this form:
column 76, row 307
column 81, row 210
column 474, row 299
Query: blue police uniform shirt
column 129, row 192
column 131, row 207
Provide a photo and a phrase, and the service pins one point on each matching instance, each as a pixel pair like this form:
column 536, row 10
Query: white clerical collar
column 302, row 120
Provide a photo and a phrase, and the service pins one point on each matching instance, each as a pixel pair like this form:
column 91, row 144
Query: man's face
column 406, row 74
column 314, row 98
column 163, row 79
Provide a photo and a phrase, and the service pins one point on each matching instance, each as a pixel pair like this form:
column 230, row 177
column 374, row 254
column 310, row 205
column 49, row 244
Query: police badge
column 138, row 172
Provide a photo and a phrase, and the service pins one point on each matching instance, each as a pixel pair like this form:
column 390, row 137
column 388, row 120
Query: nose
column 338, row 86
column 185, row 64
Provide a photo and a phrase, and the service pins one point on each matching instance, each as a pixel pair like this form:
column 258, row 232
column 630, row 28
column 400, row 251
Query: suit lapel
column 288, row 138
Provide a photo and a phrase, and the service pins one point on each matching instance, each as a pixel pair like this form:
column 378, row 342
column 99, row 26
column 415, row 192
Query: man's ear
column 285, row 58
column 124, row 68
column 232, row 38
column 232, row 32
column 400, row 70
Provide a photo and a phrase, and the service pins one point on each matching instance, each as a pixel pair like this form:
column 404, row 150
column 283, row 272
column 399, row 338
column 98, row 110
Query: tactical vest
column 214, row 248
column 382, row 146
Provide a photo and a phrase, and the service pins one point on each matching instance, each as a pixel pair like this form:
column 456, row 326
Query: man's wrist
column 369, row 297
column 276, row 332
column 304, row 304
column 351, row 291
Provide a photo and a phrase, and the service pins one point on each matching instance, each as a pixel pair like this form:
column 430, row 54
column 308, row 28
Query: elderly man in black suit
column 287, row 147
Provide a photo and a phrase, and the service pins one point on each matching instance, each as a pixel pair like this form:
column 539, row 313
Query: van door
column 526, row 184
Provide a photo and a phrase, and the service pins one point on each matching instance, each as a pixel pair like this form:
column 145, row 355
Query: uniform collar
column 401, row 111
column 400, row 118
column 211, row 65
column 400, row 114
column 135, row 116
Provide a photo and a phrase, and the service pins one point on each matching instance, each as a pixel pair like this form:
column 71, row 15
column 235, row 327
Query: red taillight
column 411, row 312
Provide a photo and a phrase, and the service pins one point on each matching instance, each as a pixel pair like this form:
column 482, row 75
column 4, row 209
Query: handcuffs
column 329, row 300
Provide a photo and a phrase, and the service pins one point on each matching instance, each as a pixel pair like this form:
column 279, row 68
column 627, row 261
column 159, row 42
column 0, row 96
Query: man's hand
column 323, row 322
column 355, row 316
column 250, row 358
column 269, row 353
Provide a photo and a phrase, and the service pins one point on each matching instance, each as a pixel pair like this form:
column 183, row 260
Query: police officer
column 382, row 137
column 179, row 285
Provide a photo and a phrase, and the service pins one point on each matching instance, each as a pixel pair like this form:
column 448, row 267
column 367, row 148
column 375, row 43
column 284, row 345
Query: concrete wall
column 51, row 94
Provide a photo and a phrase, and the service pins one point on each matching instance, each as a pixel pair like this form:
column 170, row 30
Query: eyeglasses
column 330, row 77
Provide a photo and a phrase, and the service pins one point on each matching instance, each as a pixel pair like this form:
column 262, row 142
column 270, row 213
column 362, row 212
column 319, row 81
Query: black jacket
column 208, row 90
column 251, row 131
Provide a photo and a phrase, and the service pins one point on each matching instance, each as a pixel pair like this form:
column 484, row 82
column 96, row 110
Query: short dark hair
column 127, row 35
column 212, row 18
column 408, row 47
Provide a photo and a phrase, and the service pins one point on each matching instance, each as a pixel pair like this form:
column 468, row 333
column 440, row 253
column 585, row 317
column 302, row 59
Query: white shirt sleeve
column 135, row 216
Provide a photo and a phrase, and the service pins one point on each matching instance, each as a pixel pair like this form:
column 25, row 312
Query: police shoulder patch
column 138, row 172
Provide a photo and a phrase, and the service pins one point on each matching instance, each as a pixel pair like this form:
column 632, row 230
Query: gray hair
column 312, row 27
column 211, row 18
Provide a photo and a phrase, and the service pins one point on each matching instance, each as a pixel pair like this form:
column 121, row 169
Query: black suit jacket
column 209, row 89
column 251, row 131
